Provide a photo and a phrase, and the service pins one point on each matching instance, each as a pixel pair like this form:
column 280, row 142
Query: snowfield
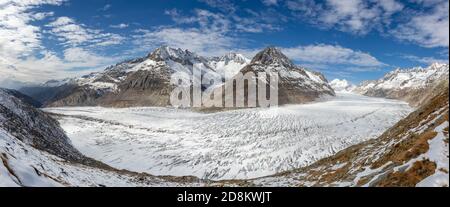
column 240, row 144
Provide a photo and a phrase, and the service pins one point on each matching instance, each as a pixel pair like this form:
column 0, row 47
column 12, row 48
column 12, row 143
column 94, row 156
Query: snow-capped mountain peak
column 236, row 57
column 166, row 53
column 272, row 56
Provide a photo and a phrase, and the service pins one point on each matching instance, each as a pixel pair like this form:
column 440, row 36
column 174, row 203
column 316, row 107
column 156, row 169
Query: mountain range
column 35, row 150
column 415, row 85
column 146, row 81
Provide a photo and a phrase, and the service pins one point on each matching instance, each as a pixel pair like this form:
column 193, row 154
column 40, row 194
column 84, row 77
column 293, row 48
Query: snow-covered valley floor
column 238, row 144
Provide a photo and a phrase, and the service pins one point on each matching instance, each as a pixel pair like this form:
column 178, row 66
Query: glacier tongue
column 238, row 144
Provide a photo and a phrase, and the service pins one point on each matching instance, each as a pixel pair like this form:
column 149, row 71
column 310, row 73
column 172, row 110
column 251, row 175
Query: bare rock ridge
column 146, row 81
column 415, row 86
column 35, row 127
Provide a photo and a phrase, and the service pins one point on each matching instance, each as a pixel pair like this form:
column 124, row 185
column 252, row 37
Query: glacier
column 239, row 144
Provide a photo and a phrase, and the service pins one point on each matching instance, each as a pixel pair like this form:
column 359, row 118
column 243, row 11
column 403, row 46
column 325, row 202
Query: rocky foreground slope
column 415, row 86
column 34, row 151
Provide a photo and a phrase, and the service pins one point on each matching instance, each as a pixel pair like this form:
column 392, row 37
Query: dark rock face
column 35, row 127
column 75, row 96
column 142, row 88
column 272, row 55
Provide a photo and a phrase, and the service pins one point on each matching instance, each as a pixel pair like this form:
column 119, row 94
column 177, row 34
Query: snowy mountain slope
column 414, row 152
column 229, row 64
column 411, row 85
column 239, row 144
column 34, row 127
column 342, row 85
column 34, row 151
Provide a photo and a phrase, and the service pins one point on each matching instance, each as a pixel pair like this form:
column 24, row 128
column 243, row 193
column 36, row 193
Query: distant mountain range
column 415, row 85
column 146, row 81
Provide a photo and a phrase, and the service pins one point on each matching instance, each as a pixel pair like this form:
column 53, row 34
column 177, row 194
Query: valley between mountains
column 240, row 144
column 116, row 128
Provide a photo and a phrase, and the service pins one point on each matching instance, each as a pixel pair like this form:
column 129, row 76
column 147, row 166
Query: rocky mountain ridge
column 415, row 86
column 146, row 81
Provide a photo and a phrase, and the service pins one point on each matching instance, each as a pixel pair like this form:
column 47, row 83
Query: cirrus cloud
column 331, row 54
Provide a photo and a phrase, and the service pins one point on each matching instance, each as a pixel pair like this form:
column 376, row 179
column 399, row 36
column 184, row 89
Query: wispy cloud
column 331, row 55
column 270, row 2
column 106, row 7
column 428, row 29
column 119, row 26
column 425, row 60
column 223, row 5
column 355, row 16
column 252, row 22
column 425, row 22
column 71, row 33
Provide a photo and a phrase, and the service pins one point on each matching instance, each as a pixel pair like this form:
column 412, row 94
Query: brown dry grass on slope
column 419, row 171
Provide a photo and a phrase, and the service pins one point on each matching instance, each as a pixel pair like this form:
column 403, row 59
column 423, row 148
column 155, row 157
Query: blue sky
column 349, row 39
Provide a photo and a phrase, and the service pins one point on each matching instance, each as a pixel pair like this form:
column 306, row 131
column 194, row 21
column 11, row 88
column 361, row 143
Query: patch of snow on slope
column 438, row 153
column 238, row 144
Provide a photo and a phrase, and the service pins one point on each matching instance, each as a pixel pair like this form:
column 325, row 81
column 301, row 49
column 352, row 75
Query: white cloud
column 23, row 57
column 355, row 16
column 427, row 29
column 74, row 62
column 253, row 22
column 70, row 33
column 204, row 19
column 119, row 26
column 330, row 55
column 42, row 15
column 223, row 5
column 425, row 60
column 17, row 36
column 425, row 22
column 270, row 2
column 106, row 7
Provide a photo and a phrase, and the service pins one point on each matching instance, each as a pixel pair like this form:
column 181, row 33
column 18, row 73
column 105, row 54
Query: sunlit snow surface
column 238, row 144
